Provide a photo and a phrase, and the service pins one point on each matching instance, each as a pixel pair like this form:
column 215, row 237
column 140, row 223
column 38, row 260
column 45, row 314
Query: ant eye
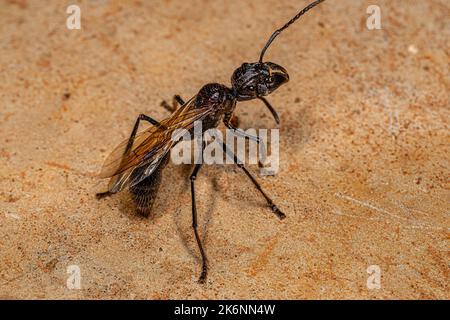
column 251, row 88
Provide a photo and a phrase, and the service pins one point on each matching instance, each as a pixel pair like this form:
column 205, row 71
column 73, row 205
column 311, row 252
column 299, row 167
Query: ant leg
column 177, row 101
column 166, row 106
column 193, row 176
column 240, row 164
column 237, row 131
column 241, row 133
column 135, row 128
column 142, row 116
column 271, row 109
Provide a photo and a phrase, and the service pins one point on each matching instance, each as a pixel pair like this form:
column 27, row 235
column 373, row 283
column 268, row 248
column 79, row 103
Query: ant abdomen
column 144, row 193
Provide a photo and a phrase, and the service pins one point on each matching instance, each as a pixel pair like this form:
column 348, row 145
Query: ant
column 137, row 163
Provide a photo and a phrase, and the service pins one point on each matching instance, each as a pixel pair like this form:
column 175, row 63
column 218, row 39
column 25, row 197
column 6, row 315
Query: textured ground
column 364, row 169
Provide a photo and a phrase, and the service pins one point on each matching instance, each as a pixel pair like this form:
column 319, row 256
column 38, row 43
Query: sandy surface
column 364, row 151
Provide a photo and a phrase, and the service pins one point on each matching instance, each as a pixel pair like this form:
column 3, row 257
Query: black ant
column 138, row 162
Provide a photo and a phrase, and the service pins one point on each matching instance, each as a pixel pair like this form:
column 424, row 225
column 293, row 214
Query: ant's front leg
column 242, row 133
column 238, row 132
column 271, row 109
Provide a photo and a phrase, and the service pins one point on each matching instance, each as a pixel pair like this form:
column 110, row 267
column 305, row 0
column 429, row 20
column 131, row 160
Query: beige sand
column 364, row 151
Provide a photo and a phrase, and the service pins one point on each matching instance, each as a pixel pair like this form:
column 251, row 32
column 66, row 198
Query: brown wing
column 149, row 147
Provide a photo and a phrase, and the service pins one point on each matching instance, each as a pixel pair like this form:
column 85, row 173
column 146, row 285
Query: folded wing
column 149, row 148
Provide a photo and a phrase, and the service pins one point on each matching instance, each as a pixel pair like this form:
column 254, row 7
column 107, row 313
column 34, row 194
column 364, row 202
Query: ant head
column 257, row 79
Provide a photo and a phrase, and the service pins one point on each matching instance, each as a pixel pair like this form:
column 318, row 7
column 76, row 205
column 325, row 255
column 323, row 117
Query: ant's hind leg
column 135, row 129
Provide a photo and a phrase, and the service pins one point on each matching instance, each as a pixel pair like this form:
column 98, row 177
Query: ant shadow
column 172, row 191
column 169, row 189
column 297, row 128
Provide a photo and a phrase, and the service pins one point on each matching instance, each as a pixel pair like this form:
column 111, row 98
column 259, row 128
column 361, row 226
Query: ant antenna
column 277, row 32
